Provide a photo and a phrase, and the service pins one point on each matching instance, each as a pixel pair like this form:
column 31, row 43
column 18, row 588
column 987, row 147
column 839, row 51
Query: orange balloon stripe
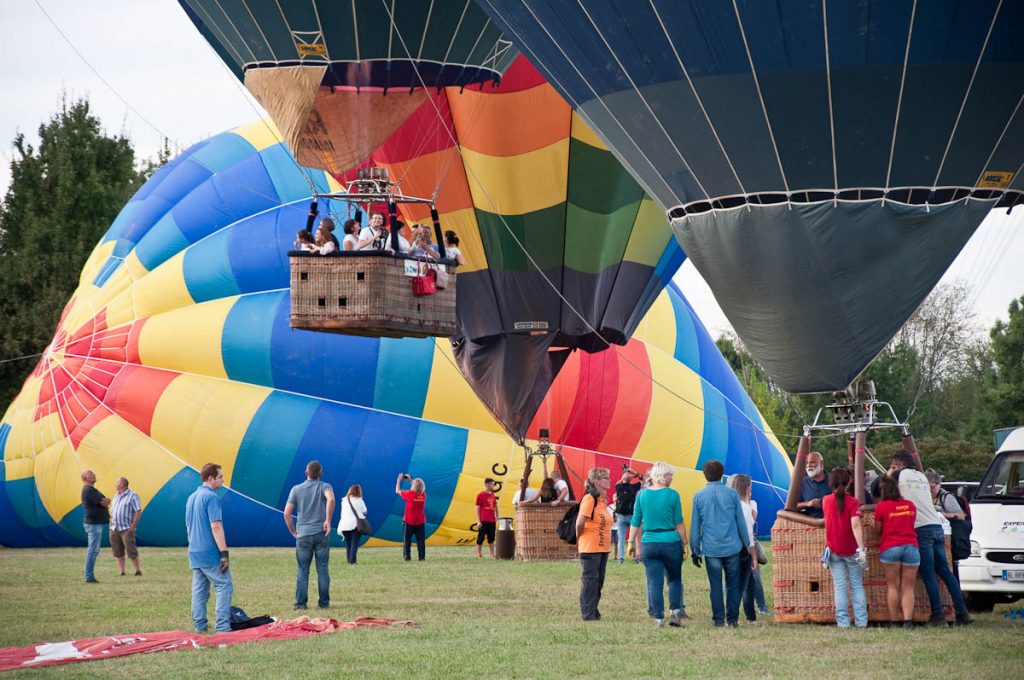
column 135, row 393
column 483, row 121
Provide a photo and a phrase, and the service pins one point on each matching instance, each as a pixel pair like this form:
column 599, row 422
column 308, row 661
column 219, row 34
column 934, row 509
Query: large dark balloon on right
column 822, row 162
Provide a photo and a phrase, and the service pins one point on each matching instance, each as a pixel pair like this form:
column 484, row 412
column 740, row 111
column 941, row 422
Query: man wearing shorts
column 125, row 510
column 486, row 517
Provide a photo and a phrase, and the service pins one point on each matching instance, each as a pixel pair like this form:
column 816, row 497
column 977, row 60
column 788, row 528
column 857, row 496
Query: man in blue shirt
column 313, row 500
column 208, row 550
column 718, row 532
column 814, row 487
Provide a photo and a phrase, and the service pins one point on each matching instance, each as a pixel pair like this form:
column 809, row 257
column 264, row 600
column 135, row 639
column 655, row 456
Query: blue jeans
column 754, row 594
column 201, row 580
column 932, row 544
column 845, row 570
column 622, row 528
column 351, row 545
column 306, row 547
column 94, row 533
column 715, row 567
column 663, row 561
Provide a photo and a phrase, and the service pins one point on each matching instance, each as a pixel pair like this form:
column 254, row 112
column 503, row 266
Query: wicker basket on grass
column 537, row 532
column 368, row 293
column 803, row 587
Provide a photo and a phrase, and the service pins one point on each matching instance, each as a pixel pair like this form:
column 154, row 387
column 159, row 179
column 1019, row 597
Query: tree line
column 950, row 382
column 62, row 197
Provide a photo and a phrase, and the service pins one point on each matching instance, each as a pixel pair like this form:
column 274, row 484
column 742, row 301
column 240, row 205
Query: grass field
column 477, row 618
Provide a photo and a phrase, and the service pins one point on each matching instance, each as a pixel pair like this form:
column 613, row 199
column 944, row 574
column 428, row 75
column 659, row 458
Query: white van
column 994, row 573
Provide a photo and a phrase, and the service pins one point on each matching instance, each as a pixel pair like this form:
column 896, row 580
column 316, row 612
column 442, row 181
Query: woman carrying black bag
column 353, row 521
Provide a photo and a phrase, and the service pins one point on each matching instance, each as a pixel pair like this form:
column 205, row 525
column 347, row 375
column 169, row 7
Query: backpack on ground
column 567, row 525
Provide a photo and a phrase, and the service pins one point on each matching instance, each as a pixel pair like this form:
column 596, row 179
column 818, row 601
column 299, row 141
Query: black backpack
column 625, row 499
column 960, row 535
column 567, row 525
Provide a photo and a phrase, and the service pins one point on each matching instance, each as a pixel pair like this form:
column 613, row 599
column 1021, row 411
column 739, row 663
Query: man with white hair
column 814, row 487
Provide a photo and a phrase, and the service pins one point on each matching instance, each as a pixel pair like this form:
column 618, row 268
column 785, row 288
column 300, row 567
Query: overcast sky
column 151, row 55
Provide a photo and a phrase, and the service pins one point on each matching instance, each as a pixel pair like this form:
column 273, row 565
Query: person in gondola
column 351, row 241
column 324, row 244
column 304, row 242
column 422, row 245
column 547, row 493
column 451, row 247
column 373, row 232
column 327, row 227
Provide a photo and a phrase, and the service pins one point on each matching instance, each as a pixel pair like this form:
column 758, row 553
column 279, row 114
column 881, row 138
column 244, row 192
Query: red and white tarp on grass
column 94, row 649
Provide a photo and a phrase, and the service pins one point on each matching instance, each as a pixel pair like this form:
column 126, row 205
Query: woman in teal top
column 658, row 514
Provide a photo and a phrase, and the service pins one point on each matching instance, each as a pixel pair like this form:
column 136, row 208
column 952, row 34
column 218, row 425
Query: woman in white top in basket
column 451, row 247
column 352, row 508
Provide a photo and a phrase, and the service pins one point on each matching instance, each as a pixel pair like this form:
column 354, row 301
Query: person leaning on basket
column 897, row 551
column 844, row 539
column 593, row 538
column 930, row 540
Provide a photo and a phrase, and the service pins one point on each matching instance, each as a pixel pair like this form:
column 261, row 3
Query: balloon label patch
column 996, row 180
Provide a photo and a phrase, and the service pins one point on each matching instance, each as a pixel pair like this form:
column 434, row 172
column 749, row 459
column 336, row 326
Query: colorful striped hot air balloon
column 563, row 248
column 176, row 351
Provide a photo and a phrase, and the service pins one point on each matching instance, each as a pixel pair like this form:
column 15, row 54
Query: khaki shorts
column 122, row 542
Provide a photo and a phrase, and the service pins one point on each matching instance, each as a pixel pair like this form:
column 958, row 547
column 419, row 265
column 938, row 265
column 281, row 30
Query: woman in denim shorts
column 898, row 551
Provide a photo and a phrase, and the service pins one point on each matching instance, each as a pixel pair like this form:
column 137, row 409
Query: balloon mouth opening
column 914, row 196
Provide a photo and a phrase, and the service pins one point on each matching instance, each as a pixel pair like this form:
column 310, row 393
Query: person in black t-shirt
column 95, row 518
column 625, row 498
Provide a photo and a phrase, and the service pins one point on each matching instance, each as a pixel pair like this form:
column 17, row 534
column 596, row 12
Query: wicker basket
column 803, row 588
column 367, row 293
column 537, row 533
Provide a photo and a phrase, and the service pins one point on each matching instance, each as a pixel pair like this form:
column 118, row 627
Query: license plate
column 1013, row 574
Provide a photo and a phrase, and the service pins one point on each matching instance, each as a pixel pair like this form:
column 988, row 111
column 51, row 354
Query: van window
column 1003, row 479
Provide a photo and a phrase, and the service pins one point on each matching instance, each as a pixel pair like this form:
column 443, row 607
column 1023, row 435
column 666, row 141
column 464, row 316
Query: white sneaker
column 659, row 623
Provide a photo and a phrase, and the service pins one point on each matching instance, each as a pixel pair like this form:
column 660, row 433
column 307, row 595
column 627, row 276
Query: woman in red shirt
column 845, row 541
column 898, row 551
column 415, row 518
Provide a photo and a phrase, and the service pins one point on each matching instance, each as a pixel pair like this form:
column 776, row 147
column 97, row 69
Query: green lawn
column 477, row 618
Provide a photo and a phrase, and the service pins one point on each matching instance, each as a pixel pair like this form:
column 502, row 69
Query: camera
column 406, row 476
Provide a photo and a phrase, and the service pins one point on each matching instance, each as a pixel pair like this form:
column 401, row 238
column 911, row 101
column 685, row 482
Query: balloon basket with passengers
column 380, row 292
column 536, row 524
column 803, row 588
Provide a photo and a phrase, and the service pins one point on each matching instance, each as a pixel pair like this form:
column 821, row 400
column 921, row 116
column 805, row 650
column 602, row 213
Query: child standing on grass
column 844, row 537
column 486, row 517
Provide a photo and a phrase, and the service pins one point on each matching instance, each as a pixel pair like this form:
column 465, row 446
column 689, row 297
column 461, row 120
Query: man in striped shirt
column 125, row 511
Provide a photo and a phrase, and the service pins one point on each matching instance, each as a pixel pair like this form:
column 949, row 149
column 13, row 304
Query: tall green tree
column 1002, row 399
column 62, row 198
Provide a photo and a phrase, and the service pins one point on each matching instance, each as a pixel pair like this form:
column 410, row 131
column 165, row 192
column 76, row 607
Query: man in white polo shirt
column 125, row 511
